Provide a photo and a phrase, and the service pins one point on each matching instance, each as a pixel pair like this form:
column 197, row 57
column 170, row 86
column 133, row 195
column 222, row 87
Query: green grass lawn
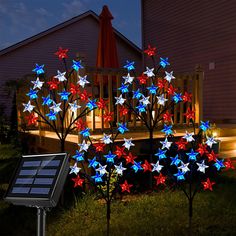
column 160, row 213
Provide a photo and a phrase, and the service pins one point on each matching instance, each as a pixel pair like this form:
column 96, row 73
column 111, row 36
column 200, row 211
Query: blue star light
column 85, row 132
column 129, row 65
column 38, row 69
column 64, row 95
column 141, row 108
column 175, row 160
column 47, row 100
column 219, row 164
column 122, row 128
column 161, row 154
column 93, row 163
column 91, row 104
column 177, row 97
column 97, row 178
column 77, row 65
column 180, row 175
column 152, row 89
column 204, row 125
column 192, row 155
column 164, row 62
column 167, row 129
column 110, row 157
column 51, row 115
column 79, row 156
column 124, row 88
column 32, row 94
column 137, row 94
column 137, row 166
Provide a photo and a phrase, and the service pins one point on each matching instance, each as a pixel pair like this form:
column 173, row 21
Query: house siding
column 197, row 32
column 80, row 37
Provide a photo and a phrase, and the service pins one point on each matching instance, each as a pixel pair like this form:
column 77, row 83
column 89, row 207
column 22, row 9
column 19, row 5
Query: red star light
column 130, row 158
column 125, row 187
column 108, row 116
column 101, row 103
column 202, row 149
column 53, row 84
column 146, row 166
column 171, row 90
column 84, row 96
column 80, row 124
column 167, row 117
column 74, row 89
column 120, row 151
column 212, row 156
column 78, row 181
column 123, row 111
column 99, row 147
column 228, row 164
column 160, row 179
column 62, row 53
column 208, row 184
column 150, row 51
column 161, row 83
column 187, row 97
column 181, row 144
column 190, row 114
column 142, row 79
column 31, row 119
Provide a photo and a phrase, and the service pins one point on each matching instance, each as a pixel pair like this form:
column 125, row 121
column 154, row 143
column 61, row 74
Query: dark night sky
column 22, row 19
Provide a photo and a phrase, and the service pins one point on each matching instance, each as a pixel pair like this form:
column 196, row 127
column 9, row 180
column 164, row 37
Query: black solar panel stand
column 41, row 221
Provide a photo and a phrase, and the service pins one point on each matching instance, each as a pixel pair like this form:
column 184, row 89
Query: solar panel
column 38, row 180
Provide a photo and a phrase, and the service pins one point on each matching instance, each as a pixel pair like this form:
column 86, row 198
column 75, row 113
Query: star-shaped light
column 77, row 65
column 125, row 187
column 32, row 94
column 128, row 143
column 181, row 144
column 167, row 117
column 192, row 155
column 64, row 95
column 184, row 167
column 102, row 169
column 47, row 100
column 175, row 160
column 152, row 89
column 55, row 107
column 164, row 62
column 137, row 94
column 83, row 81
column 51, row 115
column 149, row 72
column 97, row 178
column 146, row 166
column 80, row 124
column 210, row 141
column 106, row 138
column 123, row 111
column 136, row 166
column 142, row 78
column 165, row 144
column 145, row 100
column 169, row 76
column 119, row 169
column 32, row 119
column 78, row 181
column 60, row 76
column 161, row 154
column 79, row 156
column 190, row 114
column 171, row 90
column 129, row 65
column 167, row 129
column 122, row 128
column 28, row 107
column 108, row 116
column 38, row 69
column 53, row 84
column 85, row 132
column 189, row 136
column 62, row 53
column 228, row 164
column 219, row 164
column 120, row 100
column 83, row 146
column 99, row 147
column 141, row 108
column 93, row 163
column 150, row 51
column 202, row 167
column 91, row 104
column 212, row 156
column 124, row 88
column 160, row 179
column 208, row 184
column 37, row 83
column 157, row 167
column 179, row 175
column 101, row 103
column 187, row 97
column 130, row 158
column 74, row 169
column 204, row 126
column 177, row 97
column 74, row 106
column 162, row 100
column 120, row 151
column 110, row 157
column 128, row 79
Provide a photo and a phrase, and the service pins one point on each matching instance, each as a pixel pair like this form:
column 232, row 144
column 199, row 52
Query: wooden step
column 226, row 130
column 227, row 143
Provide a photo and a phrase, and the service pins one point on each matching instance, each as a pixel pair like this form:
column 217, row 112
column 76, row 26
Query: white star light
column 37, row 83
column 28, row 107
column 189, row 136
column 120, row 169
column 120, row 100
column 74, row 169
column 83, row 146
column 102, row 169
column 55, row 107
column 202, row 166
column 165, row 144
column 74, row 106
column 128, row 79
column 162, row 100
column 184, row 167
column 169, row 76
column 156, row 167
column 149, row 72
column 145, row 100
column 60, row 76
column 210, row 141
column 128, row 143
column 82, row 81
column 106, row 139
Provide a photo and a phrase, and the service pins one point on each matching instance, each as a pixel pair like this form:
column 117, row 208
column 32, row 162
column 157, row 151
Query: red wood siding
column 198, row 32
column 80, row 37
